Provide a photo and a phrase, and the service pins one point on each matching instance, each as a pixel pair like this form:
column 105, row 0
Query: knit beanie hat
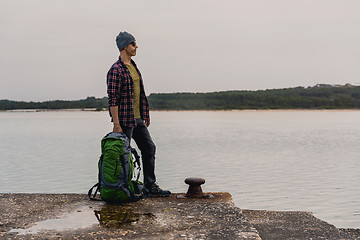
column 124, row 39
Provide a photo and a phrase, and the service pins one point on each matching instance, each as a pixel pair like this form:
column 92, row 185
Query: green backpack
column 116, row 170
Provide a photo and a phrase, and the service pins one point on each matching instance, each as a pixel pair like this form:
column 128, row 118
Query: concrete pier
column 73, row 216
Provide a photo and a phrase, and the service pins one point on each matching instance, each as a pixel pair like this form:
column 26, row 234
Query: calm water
column 273, row 160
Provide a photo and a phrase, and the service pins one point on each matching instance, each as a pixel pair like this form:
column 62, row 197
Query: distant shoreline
column 57, row 110
column 225, row 110
column 319, row 97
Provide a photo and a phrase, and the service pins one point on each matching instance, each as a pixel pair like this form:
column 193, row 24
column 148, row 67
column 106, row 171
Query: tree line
column 89, row 102
column 321, row 96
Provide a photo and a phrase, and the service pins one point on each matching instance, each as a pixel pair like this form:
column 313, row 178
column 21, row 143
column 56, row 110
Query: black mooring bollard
column 194, row 190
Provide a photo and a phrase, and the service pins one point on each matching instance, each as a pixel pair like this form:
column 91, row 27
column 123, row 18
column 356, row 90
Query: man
column 129, row 108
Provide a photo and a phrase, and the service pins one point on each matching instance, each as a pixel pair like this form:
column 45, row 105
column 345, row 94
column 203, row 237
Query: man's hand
column 147, row 123
column 117, row 128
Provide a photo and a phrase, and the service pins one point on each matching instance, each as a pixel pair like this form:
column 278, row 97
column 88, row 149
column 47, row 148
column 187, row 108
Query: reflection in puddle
column 115, row 216
column 82, row 218
column 112, row 216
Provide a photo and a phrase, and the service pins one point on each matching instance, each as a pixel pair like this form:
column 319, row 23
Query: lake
column 273, row 160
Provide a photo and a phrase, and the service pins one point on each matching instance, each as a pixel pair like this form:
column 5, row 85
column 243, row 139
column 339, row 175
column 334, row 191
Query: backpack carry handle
column 137, row 161
column 137, row 157
column 96, row 191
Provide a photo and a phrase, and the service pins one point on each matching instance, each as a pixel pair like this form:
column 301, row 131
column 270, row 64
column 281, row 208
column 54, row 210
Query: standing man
column 129, row 108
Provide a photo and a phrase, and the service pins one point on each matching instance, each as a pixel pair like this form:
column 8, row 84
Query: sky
column 62, row 50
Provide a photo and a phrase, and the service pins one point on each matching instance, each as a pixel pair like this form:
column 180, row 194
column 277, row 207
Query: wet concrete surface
column 73, row 216
column 295, row 225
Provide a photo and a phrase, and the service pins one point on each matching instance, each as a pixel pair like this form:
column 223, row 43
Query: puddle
column 81, row 218
column 113, row 216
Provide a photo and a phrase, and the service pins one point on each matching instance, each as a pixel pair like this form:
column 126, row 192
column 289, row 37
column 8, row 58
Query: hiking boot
column 155, row 191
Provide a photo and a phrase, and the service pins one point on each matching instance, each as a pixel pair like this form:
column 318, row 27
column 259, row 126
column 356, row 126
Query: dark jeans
column 147, row 147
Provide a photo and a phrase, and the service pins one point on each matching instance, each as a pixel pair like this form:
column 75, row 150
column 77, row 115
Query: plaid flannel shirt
column 120, row 89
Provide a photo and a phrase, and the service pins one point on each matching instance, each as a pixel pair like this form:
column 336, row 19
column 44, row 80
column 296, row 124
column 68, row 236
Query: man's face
column 131, row 49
